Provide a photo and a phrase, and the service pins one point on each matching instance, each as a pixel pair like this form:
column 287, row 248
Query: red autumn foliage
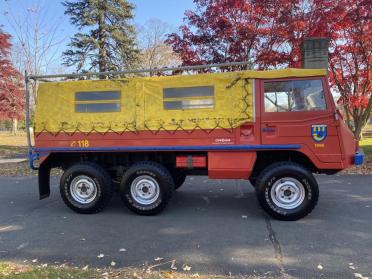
column 269, row 34
column 11, row 94
column 350, row 62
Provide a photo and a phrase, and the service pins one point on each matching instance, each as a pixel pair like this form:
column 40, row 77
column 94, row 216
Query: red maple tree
column 269, row 34
column 350, row 63
column 221, row 31
column 11, row 94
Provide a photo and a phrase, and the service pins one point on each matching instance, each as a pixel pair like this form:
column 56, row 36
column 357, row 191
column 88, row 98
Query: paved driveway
column 215, row 226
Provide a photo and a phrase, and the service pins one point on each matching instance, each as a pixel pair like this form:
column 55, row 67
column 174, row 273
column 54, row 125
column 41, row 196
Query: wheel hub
column 145, row 189
column 287, row 193
column 83, row 189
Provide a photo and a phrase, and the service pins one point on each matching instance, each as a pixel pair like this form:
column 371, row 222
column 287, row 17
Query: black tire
column 271, row 177
column 155, row 173
column 91, row 173
column 179, row 178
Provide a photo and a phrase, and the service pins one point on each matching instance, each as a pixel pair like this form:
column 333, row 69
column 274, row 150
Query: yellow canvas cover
column 142, row 102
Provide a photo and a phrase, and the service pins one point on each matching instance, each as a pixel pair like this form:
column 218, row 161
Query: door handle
column 269, row 129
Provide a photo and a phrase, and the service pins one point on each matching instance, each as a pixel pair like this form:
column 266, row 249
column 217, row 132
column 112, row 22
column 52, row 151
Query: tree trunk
column 14, row 126
column 102, row 42
column 359, row 124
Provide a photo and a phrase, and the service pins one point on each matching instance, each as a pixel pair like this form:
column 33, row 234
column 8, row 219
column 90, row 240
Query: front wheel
column 287, row 191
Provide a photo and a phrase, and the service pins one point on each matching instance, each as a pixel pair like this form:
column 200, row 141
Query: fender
column 44, row 179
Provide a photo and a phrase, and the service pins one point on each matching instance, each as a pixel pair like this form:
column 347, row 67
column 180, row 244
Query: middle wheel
column 146, row 188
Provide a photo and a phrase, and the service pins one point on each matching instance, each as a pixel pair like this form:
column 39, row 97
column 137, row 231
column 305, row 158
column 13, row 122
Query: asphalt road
column 214, row 226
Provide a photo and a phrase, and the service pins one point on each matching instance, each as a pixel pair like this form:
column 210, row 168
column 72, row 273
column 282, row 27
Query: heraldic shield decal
column 319, row 132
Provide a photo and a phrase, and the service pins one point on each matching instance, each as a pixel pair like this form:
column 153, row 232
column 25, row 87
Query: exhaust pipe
column 315, row 53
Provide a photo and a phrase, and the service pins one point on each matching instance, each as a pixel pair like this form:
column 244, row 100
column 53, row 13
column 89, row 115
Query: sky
column 169, row 11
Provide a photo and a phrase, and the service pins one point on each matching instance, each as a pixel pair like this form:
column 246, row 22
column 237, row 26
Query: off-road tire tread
column 107, row 189
column 267, row 172
column 166, row 192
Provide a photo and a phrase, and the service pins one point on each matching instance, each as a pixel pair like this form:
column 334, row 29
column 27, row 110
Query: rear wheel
column 86, row 188
column 287, row 191
column 146, row 188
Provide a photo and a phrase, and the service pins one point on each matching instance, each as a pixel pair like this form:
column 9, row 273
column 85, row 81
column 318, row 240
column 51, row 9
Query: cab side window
column 294, row 95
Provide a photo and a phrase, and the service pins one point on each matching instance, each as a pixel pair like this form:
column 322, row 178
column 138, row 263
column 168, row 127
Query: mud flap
column 44, row 180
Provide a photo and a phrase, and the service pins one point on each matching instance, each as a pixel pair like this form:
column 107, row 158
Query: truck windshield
column 294, row 95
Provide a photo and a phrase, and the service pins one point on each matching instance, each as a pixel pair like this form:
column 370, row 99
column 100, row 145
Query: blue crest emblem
column 319, row 132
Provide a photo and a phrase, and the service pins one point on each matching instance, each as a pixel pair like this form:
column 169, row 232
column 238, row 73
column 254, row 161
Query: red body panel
column 348, row 144
column 141, row 138
column 233, row 165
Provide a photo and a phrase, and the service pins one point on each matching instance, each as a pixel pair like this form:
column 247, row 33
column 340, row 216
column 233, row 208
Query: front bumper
column 359, row 157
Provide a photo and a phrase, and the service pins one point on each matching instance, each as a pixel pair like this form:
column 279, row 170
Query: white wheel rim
column 287, row 193
column 145, row 190
column 83, row 189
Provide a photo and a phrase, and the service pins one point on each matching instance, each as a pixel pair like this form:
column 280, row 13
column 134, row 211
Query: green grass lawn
column 12, row 144
column 7, row 138
column 10, row 151
column 16, row 271
column 366, row 145
column 13, row 271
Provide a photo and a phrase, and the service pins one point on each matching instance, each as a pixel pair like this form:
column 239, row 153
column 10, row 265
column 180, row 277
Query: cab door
column 300, row 111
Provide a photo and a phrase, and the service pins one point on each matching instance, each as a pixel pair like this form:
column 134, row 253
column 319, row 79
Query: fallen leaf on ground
column 135, row 275
column 358, row 275
column 158, row 259
column 186, row 267
column 173, row 266
column 85, row 267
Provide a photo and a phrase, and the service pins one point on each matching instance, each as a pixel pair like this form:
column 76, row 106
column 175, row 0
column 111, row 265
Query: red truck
column 144, row 135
